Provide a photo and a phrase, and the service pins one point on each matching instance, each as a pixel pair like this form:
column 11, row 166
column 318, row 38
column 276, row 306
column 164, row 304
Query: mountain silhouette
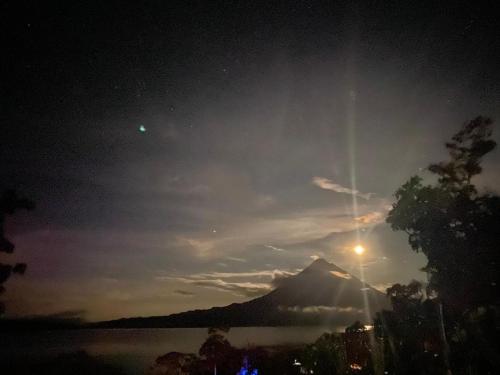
column 322, row 293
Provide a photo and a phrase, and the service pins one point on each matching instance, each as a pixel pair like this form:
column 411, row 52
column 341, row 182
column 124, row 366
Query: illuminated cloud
column 341, row 274
column 326, row 184
column 382, row 287
column 244, row 289
column 217, row 281
column 321, row 309
column 227, row 275
column 374, row 217
column 275, row 248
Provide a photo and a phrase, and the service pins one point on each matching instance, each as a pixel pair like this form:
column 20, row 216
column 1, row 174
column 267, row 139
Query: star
column 142, row 128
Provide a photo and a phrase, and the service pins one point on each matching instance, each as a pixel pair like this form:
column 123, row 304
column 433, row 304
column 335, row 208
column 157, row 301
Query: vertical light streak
column 351, row 142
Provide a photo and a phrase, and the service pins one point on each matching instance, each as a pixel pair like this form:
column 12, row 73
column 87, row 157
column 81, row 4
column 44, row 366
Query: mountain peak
column 321, row 264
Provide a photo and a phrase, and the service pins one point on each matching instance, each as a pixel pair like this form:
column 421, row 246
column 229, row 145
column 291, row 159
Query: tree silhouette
column 410, row 331
column 10, row 202
column 454, row 225
column 457, row 228
column 218, row 351
column 326, row 356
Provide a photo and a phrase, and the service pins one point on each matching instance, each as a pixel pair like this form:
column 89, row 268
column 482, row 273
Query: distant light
column 358, row 249
column 142, row 129
column 356, row 367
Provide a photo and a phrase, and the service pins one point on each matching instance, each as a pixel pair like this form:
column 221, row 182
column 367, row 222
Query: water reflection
column 136, row 349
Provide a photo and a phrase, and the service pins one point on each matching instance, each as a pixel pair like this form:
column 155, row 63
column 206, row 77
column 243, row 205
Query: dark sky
column 264, row 122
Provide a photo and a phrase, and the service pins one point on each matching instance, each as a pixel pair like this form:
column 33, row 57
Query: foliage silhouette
column 326, row 356
column 10, row 202
column 456, row 228
column 410, row 331
column 219, row 352
column 454, row 225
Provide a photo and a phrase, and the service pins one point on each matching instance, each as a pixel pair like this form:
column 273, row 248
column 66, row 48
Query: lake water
column 136, row 349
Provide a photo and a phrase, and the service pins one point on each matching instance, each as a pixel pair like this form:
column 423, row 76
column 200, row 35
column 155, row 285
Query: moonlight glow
column 358, row 249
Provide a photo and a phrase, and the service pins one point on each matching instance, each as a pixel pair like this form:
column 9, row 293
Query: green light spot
column 142, row 129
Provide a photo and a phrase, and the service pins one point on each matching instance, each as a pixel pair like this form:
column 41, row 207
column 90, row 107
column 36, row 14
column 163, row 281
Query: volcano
column 321, row 294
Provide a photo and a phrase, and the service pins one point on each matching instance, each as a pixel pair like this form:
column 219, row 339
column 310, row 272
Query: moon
column 358, row 249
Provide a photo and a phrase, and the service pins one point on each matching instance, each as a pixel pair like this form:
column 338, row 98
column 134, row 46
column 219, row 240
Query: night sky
column 188, row 154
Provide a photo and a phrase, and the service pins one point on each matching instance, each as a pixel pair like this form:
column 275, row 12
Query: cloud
column 279, row 277
column 178, row 185
column 216, row 280
column 264, row 201
column 184, row 293
column 275, row 248
column 226, row 275
column 245, row 289
column 382, row 287
column 374, row 217
column 241, row 289
column 319, row 309
column 69, row 315
column 341, row 274
column 118, row 295
column 326, row 184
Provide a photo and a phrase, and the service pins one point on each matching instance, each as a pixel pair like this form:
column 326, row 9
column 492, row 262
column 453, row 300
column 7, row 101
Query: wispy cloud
column 321, row 309
column 184, row 293
column 326, row 184
column 382, row 287
column 227, row 275
column 275, row 248
column 62, row 315
column 341, row 274
column 218, row 281
column 245, row 289
column 374, row 217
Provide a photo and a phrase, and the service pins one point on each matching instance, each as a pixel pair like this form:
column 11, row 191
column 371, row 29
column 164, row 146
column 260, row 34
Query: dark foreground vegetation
column 328, row 355
column 456, row 315
column 79, row 363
